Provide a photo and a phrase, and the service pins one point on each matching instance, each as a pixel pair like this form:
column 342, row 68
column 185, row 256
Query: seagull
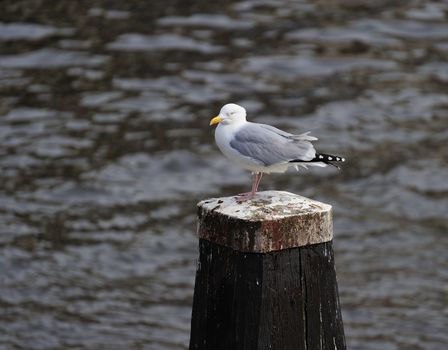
column 262, row 148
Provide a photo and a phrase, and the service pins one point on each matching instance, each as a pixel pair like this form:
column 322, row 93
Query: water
column 105, row 148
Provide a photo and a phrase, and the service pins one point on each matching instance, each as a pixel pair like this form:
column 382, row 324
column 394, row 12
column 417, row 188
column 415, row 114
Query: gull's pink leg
column 258, row 182
column 242, row 197
column 253, row 184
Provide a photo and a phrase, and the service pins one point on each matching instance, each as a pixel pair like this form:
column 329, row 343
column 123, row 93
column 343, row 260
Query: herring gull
column 262, row 148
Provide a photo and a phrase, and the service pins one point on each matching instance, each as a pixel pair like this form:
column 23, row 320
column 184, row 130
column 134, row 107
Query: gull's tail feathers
column 320, row 159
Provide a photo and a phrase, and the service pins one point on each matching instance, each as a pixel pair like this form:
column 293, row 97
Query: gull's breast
column 224, row 134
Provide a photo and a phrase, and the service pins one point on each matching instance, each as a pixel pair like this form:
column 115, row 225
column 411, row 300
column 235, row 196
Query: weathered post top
column 273, row 220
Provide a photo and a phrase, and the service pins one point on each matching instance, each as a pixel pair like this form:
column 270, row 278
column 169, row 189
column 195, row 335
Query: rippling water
column 105, row 149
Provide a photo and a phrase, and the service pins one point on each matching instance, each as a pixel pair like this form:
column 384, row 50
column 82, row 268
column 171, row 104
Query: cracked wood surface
column 282, row 300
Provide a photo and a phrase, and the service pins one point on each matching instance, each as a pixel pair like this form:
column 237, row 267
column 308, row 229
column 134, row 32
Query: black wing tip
column 328, row 157
column 320, row 157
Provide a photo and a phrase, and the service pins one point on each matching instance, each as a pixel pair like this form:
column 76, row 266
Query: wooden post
column 265, row 276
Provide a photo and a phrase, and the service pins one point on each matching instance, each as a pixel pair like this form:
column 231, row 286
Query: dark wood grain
column 279, row 300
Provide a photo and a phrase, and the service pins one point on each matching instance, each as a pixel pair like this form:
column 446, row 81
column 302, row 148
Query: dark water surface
column 105, row 148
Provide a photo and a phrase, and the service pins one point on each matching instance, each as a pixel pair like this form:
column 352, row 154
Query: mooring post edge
column 274, row 220
column 266, row 276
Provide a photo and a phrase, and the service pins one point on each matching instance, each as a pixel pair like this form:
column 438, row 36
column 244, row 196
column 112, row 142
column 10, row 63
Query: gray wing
column 270, row 145
column 301, row 137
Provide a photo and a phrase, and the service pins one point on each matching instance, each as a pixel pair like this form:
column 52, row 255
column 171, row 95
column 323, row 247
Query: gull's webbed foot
column 243, row 197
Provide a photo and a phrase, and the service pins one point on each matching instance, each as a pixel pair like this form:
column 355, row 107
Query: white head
column 230, row 113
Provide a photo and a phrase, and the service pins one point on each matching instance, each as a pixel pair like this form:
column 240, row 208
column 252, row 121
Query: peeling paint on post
column 266, row 277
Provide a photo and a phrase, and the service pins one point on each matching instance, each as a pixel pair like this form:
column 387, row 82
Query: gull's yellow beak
column 215, row 120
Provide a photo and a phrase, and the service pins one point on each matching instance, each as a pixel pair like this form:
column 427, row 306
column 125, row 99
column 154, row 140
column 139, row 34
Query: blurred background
column 105, row 149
